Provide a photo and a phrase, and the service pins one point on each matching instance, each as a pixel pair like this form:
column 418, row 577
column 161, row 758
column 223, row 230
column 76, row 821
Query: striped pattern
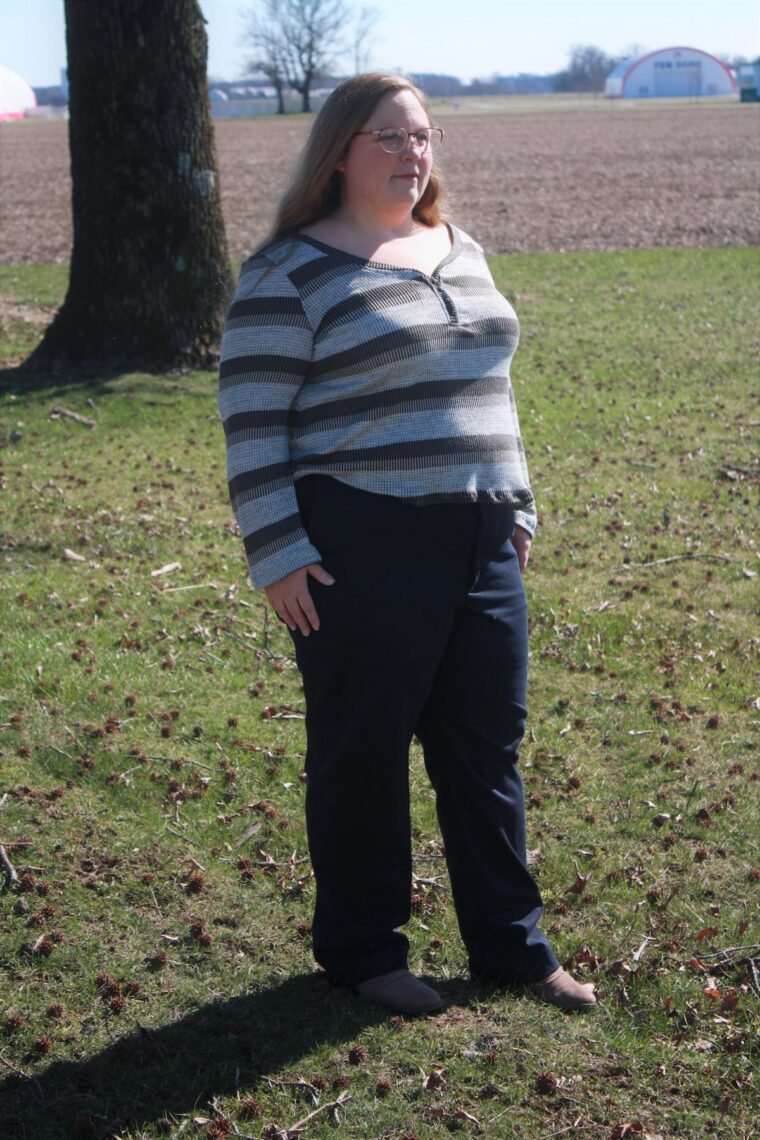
column 390, row 380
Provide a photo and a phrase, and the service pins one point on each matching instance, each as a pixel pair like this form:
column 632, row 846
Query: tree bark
column 150, row 274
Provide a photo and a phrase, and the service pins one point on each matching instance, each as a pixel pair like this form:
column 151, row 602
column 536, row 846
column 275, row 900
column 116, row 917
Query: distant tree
column 363, row 30
column 438, row 86
column 299, row 38
column 735, row 61
column 265, row 36
column 150, row 274
column 483, row 86
column 632, row 51
column 587, row 70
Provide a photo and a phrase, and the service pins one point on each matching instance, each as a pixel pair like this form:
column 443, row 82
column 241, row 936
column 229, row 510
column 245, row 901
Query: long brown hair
column 315, row 189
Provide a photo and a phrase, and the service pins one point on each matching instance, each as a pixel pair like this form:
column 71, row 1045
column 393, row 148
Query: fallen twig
column 198, row 586
column 60, row 751
column 294, row 1129
column 688, row 557
column 128, row 771
column 755, row 978
column 730, row 950
column 197, row 764
column 186, row 838
column 155, row 902
column 561, row 1132
column 240, row 640
column 59, row 411
column 14, row 1068
column 642, row 949
column 10, row 871
column 740, row 470
column 185, row 760
column 297, row 1084
column 694, row 787
column 223, row 1116
column 21, row 1073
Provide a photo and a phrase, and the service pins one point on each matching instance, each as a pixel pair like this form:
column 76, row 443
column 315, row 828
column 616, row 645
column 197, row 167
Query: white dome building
column 669, row 72
column 16, row 96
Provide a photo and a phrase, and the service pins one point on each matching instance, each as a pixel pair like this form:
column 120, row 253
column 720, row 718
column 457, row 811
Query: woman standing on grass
column 379, row 480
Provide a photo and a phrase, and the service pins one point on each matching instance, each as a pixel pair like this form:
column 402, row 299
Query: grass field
column 552, row 103
column 156, row 973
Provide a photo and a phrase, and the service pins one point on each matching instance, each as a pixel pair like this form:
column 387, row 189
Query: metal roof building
column 16, row 96
column 669, row 72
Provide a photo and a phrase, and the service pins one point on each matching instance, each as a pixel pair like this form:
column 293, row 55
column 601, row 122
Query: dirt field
column 598, row 178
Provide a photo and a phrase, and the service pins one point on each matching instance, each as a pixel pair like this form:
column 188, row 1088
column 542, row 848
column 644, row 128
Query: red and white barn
column 16, row 96
column 670, row 72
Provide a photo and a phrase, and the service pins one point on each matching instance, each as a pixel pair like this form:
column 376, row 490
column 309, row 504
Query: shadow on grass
column 153, row 1075
column 59, row 385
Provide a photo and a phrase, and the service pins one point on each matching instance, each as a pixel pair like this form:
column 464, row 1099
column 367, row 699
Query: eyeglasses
column 394, row 139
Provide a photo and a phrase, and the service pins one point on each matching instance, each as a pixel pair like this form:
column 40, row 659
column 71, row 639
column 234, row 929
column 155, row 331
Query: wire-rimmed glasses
column 395, row 139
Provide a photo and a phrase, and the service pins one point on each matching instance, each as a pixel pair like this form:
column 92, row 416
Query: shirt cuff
column 268, row 570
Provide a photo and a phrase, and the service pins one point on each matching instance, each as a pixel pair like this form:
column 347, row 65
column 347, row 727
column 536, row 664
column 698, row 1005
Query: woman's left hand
column 521, row 541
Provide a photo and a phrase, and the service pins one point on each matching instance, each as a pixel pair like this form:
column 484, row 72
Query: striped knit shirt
column 388, row 379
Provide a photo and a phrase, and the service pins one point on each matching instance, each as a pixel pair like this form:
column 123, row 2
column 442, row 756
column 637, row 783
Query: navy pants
column 423, row 633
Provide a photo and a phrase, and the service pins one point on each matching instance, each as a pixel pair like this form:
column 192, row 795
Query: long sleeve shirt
column 391, row 380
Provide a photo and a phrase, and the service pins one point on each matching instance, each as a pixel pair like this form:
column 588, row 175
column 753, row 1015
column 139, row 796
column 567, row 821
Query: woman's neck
column 417, row 247
column 372, row 227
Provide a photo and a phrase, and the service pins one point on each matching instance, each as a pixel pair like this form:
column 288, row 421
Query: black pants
column 423, row 633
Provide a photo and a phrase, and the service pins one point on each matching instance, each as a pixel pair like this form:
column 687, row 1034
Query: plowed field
column 605, row 177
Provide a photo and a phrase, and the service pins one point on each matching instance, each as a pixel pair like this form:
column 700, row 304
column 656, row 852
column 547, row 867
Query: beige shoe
column 402, row 992
column 562, row 990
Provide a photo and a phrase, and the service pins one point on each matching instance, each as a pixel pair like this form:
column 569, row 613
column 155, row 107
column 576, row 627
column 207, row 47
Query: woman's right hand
column 290, row 599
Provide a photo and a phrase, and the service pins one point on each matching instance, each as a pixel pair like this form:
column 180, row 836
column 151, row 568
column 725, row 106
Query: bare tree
column 300, row 38
column 364, row 27
column 588, row 68
column 265, row 36
column 150, row 276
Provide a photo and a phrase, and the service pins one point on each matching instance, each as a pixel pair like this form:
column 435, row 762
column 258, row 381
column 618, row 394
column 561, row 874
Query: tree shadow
column 155, row 1074
column 18, row 382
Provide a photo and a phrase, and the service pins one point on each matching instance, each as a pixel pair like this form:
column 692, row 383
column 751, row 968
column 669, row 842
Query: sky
column 467, row 38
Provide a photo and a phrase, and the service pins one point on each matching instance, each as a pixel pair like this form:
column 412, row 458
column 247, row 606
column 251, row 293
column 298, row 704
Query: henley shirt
column 388, row 379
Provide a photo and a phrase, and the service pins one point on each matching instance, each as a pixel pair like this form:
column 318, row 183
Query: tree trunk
column 305, row 89
column 150, row 274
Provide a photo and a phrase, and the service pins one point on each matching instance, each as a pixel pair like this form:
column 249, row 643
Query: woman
column 379, row 480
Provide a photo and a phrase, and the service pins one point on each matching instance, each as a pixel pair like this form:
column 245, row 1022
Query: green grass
column 572, row 101
column 149, row 778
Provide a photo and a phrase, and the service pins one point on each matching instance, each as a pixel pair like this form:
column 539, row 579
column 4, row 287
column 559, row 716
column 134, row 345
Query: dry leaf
column 169, row 568
column 434, row 1080
column 460, row 1114
column 580, row 884
column 248, row 833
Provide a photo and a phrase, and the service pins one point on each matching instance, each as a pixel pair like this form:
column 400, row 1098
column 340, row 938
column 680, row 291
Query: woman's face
column 376, row 181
